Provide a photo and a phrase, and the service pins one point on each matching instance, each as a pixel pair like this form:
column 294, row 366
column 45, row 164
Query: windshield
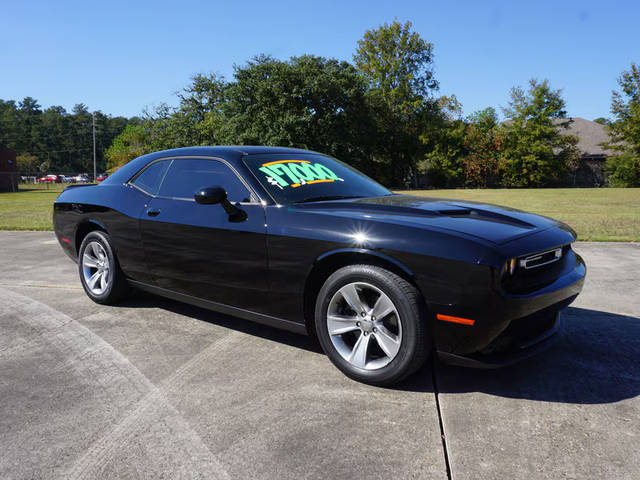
column 308, row 177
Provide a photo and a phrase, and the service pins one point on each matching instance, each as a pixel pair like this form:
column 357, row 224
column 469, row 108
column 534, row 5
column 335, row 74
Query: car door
column 196, row 249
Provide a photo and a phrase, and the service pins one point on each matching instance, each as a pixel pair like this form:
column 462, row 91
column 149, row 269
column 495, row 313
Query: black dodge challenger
column 299, row 240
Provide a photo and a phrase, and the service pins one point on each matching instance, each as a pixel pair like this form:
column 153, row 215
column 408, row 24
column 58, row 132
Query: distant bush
column 624, row 170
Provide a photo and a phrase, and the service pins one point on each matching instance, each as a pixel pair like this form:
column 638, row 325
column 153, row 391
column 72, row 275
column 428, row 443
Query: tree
column 308, row 102
column 534, row 152
column 29, row 117
column 131, row 143
column 63, row 138
column 483, row 143
column 27, row 163
column 443, row 164
column 623, row 170
column 44, row 166
column 601, row 120
column 625, row 106
column 397, row 65
column 464, row 152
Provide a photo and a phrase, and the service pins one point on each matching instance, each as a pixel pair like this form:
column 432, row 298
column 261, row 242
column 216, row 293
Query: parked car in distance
column 50, row 179
column 81, row 178
column 66, row 178
column 299, row 240
column 101, row 177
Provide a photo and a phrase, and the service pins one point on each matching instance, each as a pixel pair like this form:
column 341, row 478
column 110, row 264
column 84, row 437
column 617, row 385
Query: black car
column 299, row 240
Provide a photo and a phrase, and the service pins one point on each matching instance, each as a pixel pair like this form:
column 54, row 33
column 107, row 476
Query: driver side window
column 185, row 176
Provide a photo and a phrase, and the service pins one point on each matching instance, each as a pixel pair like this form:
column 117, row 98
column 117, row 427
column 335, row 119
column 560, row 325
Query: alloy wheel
column 364, row 325
column 95, row 268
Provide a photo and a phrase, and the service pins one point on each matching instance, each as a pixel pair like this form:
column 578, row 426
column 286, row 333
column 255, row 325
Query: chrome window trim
column 252, row 192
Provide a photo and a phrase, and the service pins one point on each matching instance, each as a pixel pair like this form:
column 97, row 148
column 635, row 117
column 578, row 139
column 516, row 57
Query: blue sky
column 121, row 56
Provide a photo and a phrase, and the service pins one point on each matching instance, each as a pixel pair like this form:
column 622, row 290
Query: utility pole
column 93, row 116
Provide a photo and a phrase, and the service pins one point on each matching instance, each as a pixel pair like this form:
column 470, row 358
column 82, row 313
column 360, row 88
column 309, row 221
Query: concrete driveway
column 154, row 388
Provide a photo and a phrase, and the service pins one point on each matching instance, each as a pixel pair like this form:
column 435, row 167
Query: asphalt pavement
column 158, row 389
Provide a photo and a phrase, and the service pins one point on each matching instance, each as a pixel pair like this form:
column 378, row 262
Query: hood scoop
column 453, row 211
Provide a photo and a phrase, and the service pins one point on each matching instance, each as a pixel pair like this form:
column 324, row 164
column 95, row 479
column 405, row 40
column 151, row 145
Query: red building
column 8, row 170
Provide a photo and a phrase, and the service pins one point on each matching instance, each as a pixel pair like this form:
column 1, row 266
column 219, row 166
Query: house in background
column 8, row 170
column 591, row 171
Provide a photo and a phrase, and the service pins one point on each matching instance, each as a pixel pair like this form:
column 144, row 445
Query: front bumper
column 508, row 326
column 507, row 350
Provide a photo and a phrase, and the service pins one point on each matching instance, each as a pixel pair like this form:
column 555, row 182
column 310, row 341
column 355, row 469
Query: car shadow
column 147, row 300
column 596, row 360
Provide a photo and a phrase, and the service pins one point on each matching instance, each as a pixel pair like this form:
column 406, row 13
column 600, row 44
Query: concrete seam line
column 32, row 285
column 443, row 436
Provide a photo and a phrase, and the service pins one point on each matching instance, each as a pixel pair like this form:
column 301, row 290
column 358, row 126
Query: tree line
column 381, row 113
column 55, row 140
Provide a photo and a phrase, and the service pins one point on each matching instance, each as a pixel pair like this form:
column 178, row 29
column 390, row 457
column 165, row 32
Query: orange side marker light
column 449, row 318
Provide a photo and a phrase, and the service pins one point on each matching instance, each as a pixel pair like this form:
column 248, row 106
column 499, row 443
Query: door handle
column 153, row 212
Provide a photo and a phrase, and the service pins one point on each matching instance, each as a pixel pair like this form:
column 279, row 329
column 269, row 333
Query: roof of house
column 590, row 135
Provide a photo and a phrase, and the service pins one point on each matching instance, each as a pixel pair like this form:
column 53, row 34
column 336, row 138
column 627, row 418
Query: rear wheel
column 100, row 273
column 371, row 324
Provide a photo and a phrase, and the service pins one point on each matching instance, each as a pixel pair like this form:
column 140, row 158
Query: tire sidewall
column 409, row 317
column 103, row 239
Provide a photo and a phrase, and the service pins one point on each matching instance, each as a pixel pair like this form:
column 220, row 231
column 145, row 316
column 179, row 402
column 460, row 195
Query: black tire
column 415, row 346
column 116, row 287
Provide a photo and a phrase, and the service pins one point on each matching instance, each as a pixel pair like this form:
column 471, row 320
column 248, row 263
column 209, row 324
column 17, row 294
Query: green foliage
column 534, row 151
column 625, row 106
column 444, row 163
column 624, row 170
column 485, row 119
column 379, row 114
column 308, row 102
column 397, row 65
column 130, row 144
column 483, row 142
column 602, row 120
column 463, row 152
column 62, row 140
column 27, row 163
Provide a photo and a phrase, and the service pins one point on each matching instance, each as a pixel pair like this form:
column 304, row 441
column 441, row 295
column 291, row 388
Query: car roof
column 224, row 150
column 231, row 153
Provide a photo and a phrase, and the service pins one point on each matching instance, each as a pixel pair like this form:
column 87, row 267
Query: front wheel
column 371, row 324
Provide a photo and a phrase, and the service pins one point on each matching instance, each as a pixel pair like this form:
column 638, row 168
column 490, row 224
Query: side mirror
column 217, row 194
column 210, row 195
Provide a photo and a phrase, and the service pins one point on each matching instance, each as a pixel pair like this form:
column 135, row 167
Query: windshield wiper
column 328, row 197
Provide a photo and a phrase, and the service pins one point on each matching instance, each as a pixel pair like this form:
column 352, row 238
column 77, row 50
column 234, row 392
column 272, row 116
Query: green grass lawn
column 30, row 208
column 597, row 214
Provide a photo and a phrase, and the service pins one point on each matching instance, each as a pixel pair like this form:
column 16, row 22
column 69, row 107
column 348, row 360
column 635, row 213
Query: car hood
column 493, row 223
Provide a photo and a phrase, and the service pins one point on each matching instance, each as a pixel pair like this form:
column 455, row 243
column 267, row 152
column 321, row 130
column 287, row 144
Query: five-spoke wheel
column 371, row 324
column 100, row 274
column 364, row 325
column 95, row 268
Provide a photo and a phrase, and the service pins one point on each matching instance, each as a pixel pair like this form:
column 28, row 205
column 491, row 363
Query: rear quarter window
column 150, row 178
